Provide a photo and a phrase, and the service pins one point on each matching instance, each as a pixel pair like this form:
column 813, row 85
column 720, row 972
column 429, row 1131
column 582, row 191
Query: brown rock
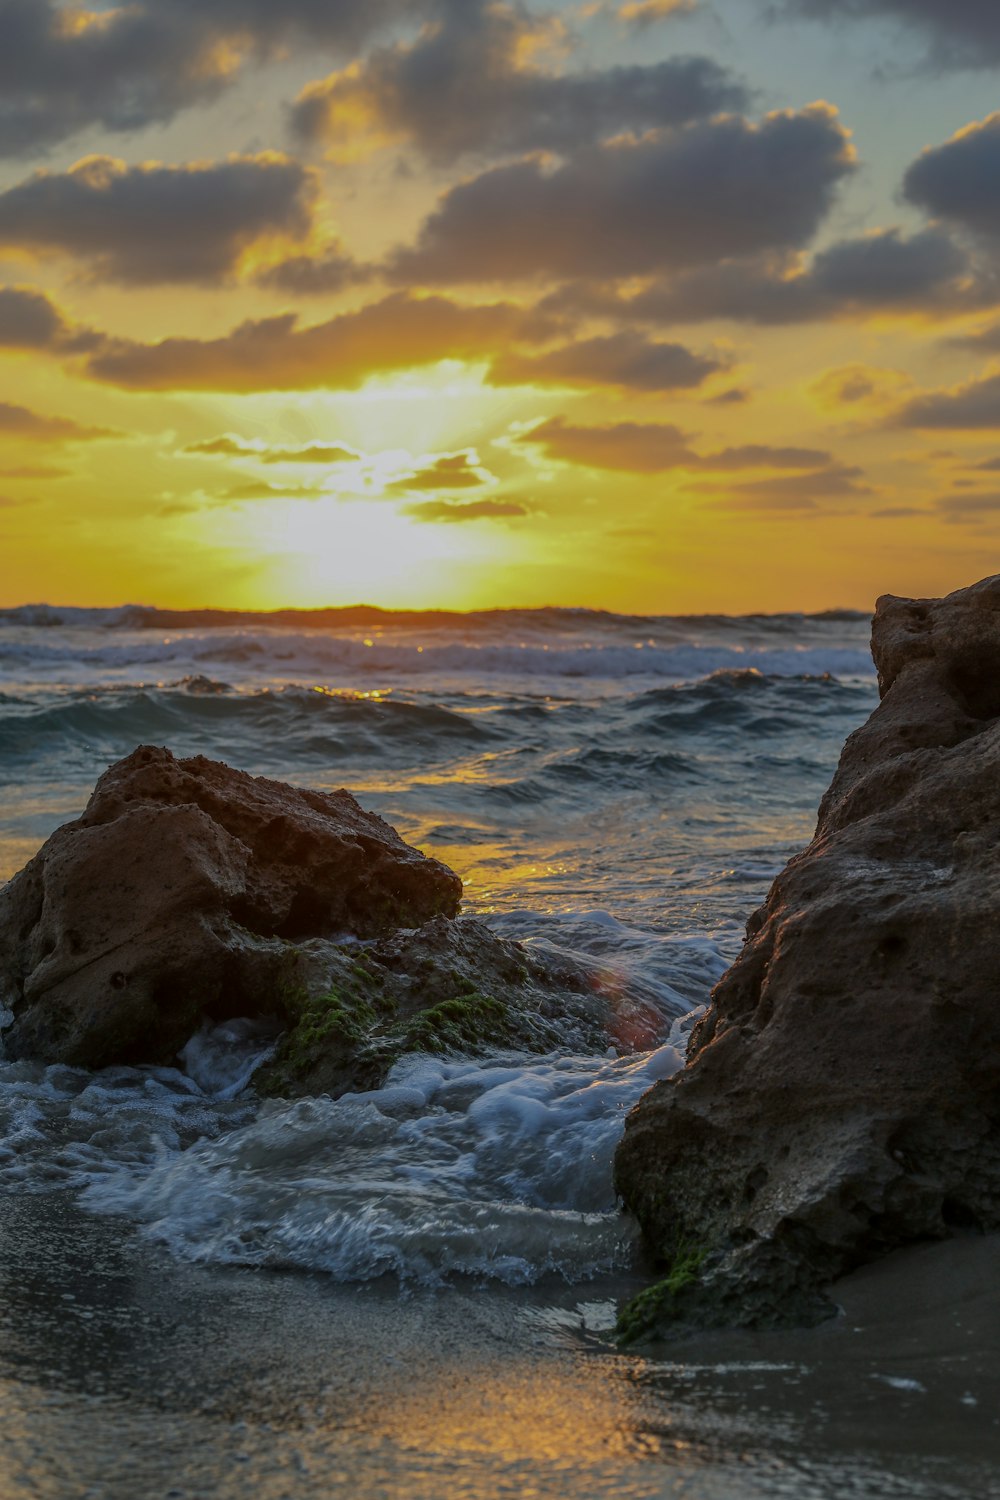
column 176, row 896
column 842, row 1093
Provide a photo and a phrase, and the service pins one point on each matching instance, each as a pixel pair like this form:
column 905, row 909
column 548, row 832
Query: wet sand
column 124, row 1374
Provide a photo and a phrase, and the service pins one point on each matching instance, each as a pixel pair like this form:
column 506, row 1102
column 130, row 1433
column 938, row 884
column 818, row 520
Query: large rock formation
column 190, row 892
column 842, row 1092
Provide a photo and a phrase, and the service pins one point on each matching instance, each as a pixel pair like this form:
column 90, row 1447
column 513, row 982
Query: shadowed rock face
column 842, row 1093
column 177, row 895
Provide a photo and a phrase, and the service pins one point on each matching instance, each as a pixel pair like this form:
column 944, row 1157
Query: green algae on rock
column 451, row 985
column 664, row 1301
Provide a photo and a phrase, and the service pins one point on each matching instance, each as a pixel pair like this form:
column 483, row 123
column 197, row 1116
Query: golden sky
column 664, row 306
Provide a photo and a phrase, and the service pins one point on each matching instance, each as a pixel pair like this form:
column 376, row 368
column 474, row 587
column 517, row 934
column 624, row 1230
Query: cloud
column 960, row 181
column 472, row 84
column 791, row 491
column 883, row 273
column 860, row 385
column 669, row 200
column 314, row 275
column 655, row 447
column 20, row 422
column 29, row 320
column 646, row 12
column 763, row 503
column 153, row 223
column 961, row 34
column 466, row 510
column 625, row 359
column 34, row 471
column 254, row 489
column 735, row 396
column 450, row 471
column 223, row 447
column 627, row 447
column 398, row 333
column 970, row 509
column 65, row 69
column 315, row 453
column 986, row 339
column 235, row 447
column 969, row 407
column 763, row 456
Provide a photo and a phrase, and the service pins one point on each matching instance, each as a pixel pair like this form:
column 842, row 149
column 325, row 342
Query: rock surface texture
column 190, row 892
column 842, row 1093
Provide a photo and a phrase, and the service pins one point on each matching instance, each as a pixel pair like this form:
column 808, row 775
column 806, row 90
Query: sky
column 660, row 306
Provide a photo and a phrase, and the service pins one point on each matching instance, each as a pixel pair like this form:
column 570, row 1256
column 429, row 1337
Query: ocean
column 620, row 787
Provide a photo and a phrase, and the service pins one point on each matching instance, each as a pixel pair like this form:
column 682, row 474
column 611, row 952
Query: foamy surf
column 498, row 1167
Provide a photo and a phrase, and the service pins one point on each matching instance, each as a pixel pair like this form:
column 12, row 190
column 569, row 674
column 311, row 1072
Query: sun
column 333, row 551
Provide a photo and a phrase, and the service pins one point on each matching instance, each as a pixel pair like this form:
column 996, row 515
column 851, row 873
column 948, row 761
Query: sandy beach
column 154, row 1379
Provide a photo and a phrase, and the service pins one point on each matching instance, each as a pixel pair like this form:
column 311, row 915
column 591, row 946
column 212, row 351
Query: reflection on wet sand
column 150, row 1378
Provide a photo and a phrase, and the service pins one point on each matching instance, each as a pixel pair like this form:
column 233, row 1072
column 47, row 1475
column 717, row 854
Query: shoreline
column 156, row 1378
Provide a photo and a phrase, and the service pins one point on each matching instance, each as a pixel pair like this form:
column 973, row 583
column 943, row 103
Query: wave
column 149, row 617
column 332, row 659
column 523, row 746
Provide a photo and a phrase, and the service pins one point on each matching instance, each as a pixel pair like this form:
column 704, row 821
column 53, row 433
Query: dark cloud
column 669, row 200
column 793, row 491
column 989, row 466
column 987, row 340
column 314, row 275
column 628, row 447
column 34, row 471
column 763, row 503
column 223, row 447
column 881, row 273
column 626, row 360
column 140, row 63
column 968, row 508
column 255, row 489
column 465, row 87
column 970, row 407
column 316, row 453
column 398, row 333
column 736, row 396
column 451, row 471
column 20, row 422
column 960, row 181
column 655, row 447
column 961, row 33
column 763, row 456
column 153, row 223
column 234, row 447
column 30, row 320
column 466, row 510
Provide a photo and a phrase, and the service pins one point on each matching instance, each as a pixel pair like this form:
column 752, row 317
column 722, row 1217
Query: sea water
column 620, row 787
